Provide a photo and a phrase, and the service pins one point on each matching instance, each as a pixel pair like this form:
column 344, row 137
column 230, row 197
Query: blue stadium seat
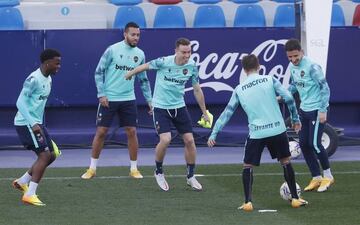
column 337, row 16
column 127, row 14
column 9, row 3
column 209, row 16
column 11, row 19
column 284, row 16
column 125, row 2
column 251, row 15
column 165, row 2
column 169, row 16
column 245, row 1
column 286, row 1
column 205, row 1
column 356, row 0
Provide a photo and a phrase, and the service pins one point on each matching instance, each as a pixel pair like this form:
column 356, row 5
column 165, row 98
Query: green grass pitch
column 114, row 198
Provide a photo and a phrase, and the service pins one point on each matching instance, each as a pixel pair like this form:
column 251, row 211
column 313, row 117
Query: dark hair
column 131, row 24
column 292, row 44
column 250, row 62
column 182, row 41
column 48, row 54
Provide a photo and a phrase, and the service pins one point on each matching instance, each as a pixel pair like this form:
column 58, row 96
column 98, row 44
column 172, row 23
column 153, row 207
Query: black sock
column 247, row 177
column 159, row 168
column 190, row 170
column 289, row 176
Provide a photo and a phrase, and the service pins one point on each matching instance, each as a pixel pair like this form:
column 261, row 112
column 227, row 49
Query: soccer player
column 308, row 79
column 257, row 96
column 117, row 97
column 169, row 106
column 29, row 124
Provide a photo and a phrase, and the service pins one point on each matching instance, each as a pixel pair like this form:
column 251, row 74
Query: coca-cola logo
column 225, row 67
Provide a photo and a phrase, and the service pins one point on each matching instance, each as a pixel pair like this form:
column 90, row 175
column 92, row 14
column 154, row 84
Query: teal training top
column 170, row 81
column 308, row 79
column 257, row 96
column 32, row 99
column 116, row 61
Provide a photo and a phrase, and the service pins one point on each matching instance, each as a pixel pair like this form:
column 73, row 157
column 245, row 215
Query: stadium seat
column 284, row 16
column 11, row 19
column 209, row 16
column 251, row 15
column 285, row 1
column 205, row 1
column 125, row 2
column 356, row 0
column 337, row 16
column 169, row 16
column 9, row 3
column 356, row 17
column 165, row 2
column 244, row 1
column 127, row 14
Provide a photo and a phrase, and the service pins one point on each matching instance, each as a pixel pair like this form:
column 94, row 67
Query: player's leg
column 182, row 122
column 127, row 115
column 316, row 131
column 308, row 152
column 162, row 123
column 278, row 146
column 40, row 144
column 104, row 119
column 253, row 151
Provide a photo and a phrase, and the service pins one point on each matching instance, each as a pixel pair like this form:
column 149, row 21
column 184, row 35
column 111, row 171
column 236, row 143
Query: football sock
column 247, row 177
column 289, row 176
column 25, row 178
column 190, row 170
column 133, row 164
column 93, row 163
column 327, row 174
column 159, row 167
column 32, row 188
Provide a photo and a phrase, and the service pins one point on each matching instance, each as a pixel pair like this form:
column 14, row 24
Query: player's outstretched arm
column 137, row 70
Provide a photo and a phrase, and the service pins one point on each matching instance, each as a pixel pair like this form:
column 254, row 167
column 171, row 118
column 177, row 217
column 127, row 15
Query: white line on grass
column 180, row 176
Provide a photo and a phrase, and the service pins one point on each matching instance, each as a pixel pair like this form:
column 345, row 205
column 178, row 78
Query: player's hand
column 36, row 129
column 322, row 117
column 296, row 127
column 211, row 143
column 150, row 109
column 128, row 76
column 206, row 117
column 104, row 101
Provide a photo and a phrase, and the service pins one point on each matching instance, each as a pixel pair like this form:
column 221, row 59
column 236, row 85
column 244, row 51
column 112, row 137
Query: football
column 285, row 191
column 295, row 149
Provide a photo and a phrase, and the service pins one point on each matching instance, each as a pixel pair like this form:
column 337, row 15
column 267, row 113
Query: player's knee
column 189, row 141
column 165, row 139
column 130, row 131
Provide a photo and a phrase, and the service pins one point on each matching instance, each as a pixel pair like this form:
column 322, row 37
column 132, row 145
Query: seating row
column 81, row 15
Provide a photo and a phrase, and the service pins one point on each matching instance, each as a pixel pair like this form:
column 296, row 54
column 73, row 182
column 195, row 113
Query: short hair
column 131, row 24
column 292, row 44
column 182, row 41
column 48, row 54
column 250, row 62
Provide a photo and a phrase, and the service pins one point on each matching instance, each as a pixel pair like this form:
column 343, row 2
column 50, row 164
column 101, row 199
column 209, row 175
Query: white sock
column 133, row 165
column 317, row 178
column 93, row 163
column 327, row 174
column 32, row 189
column 25, row 179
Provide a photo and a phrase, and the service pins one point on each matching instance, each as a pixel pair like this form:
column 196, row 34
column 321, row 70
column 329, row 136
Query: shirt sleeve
column 317, row 75
column 100, row 71
column 225, row 115
column 23, row 100
column 157, row 63
column 194, row 75
column 292, row 87
column 288, row 99
column 144, row 84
